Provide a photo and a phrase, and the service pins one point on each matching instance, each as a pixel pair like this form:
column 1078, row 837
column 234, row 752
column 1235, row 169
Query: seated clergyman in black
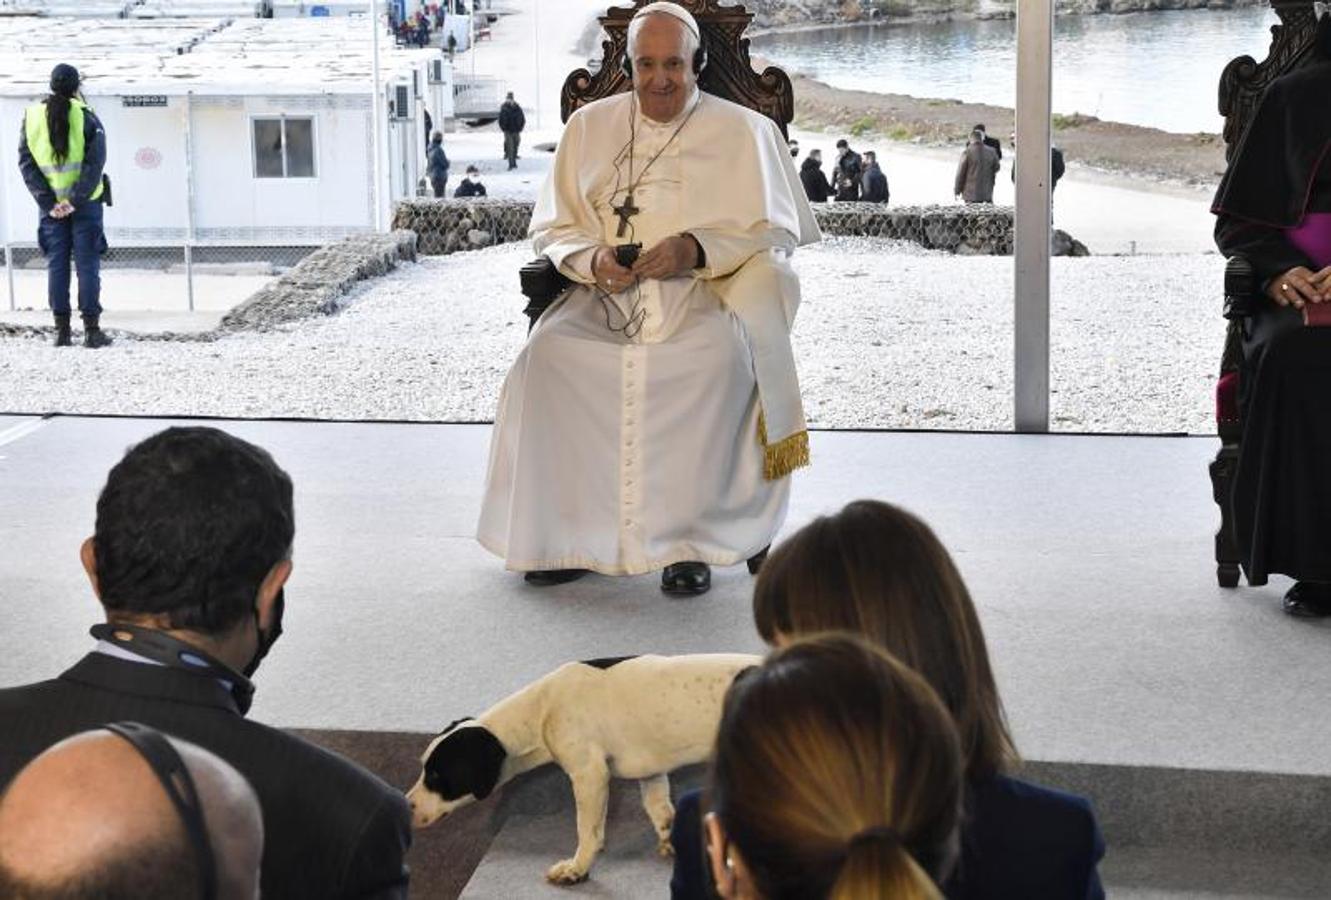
column 189, row 557
column 1274, row 209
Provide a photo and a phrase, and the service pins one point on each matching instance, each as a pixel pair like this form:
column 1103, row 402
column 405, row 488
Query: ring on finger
column 1284, row 285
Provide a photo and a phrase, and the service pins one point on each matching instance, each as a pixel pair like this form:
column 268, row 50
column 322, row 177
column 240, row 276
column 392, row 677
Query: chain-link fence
column 155, row 278
column 450, row 226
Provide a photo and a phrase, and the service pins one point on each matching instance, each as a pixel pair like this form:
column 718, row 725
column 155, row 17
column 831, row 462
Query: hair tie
column 885, row 834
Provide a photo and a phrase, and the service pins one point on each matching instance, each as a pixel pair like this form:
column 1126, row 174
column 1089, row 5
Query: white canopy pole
column 377, row 113
column 1035, row 46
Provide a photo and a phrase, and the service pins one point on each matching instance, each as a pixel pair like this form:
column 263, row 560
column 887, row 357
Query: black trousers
column 1282, row 487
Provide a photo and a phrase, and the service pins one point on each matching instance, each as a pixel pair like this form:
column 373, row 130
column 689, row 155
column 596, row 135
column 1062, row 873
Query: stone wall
column 316, row 286
column 446, row 227
column 787, row 13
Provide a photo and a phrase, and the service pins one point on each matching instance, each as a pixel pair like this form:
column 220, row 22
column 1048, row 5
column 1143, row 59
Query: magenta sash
column 1313, row 237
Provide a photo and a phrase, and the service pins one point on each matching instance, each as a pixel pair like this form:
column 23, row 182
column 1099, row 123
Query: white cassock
column 625, row 449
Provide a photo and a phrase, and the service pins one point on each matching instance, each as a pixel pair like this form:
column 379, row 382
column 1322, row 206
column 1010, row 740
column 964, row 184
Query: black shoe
column 1309, row 600
column 756, row 560
column 551, row 577
column 686, row 578
column 93, row 336
column 62, row 336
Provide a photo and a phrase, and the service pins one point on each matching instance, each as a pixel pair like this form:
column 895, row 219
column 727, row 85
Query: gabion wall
column 448, row 226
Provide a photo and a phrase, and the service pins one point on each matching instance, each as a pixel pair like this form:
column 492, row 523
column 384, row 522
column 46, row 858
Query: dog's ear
column 466, row 761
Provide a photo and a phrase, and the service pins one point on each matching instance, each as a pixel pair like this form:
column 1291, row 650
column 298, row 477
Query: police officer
column 62, row 150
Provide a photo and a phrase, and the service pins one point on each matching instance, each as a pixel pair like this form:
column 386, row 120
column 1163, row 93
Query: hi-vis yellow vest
column 61, row 176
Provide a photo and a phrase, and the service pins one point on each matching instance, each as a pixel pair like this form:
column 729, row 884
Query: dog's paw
column 566, row 871
column 664, row 848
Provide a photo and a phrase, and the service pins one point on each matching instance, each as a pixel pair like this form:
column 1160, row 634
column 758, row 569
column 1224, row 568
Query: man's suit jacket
column 331, row 829
column 1017, row 840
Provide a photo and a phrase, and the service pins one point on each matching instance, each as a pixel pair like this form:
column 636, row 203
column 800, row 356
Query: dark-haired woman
column 837, row 774
column 877, row 571
column 62, row 150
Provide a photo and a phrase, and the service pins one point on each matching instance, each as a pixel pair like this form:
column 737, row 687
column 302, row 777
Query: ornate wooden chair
column 729, row 74
column 1242, row 84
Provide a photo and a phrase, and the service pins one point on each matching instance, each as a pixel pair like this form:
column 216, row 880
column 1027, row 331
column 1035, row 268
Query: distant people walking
column 436, row 165
column 816, row 186
column 873, row 186
column 511, row 123
column 992, row 143
column 1056, row 166
column 976, row 171
column 849, row 169
column 62, row 151
column 471, row 184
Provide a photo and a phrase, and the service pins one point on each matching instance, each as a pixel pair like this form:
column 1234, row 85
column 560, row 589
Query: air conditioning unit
column 401, row 102
column 436, row 71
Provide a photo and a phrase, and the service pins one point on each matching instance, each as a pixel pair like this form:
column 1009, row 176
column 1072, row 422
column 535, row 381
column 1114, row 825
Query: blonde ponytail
column 880, row 868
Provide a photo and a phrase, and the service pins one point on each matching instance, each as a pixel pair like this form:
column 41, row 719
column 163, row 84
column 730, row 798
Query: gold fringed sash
column 786, row 455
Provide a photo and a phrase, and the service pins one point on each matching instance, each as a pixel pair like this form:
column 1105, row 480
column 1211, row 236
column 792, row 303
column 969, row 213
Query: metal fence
column 156, row 278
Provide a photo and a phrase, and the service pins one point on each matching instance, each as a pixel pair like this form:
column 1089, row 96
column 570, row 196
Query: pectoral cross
column 625, row 212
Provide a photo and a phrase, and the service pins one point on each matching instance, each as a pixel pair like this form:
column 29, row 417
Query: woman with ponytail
column 878, row 572
column 837, row 775
column 62, row 151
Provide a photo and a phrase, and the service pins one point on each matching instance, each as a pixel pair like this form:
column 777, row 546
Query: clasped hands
column 673, row 256
column 61, row 209
column 1300, row 286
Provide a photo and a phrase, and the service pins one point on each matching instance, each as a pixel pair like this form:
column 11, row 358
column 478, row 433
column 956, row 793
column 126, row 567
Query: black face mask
column 267, row 639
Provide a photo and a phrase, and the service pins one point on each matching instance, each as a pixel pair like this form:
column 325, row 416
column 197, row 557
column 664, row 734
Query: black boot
column 93, row 336
column 62, row 330
column 686, row 578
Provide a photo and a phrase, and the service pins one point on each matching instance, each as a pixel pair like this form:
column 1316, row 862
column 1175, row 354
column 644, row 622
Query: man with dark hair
column 190, row 553
column 874, row 182
column 849, row 170
column 974, row 182
column 89, row 819
column 471, row 184
column 511, row 123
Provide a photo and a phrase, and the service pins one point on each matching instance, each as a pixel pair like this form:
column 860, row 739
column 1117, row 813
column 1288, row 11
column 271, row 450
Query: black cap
column 64, row 80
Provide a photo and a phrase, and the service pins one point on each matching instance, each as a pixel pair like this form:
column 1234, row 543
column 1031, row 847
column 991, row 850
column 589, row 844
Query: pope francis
column 653, row 418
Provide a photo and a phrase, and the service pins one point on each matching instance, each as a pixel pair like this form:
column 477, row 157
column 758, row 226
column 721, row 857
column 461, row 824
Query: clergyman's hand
column 1294, row 288
column 609, row 274
column 1322, row 281
column 673, row 256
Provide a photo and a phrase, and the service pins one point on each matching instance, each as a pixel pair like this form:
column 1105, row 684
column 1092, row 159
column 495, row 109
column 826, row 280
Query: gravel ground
column 888, row 337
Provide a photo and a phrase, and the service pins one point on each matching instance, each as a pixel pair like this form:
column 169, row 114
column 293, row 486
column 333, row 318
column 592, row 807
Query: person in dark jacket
column 511, row 123
column 61, row 152
column 873, row 182
column 974, row 182
column 881, row 816
column 471, row 184
column 849, row 169
column 816, row 186
column 1273, row 209
column 877, row 571
column 436, row 165
column 189, row 557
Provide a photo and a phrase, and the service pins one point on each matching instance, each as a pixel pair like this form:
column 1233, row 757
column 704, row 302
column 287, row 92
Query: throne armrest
column 542, row 284
column 1242, row 288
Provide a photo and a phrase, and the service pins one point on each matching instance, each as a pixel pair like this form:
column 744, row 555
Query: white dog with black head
column 634, row 717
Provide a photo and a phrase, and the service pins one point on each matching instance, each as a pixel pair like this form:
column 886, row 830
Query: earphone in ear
column 699, row 62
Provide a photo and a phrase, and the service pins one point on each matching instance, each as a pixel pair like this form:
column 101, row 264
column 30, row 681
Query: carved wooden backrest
column 1244, row 80
column 729, row 73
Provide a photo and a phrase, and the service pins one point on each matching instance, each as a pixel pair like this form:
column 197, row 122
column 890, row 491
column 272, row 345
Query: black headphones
column 175, row 777
column 174, row 654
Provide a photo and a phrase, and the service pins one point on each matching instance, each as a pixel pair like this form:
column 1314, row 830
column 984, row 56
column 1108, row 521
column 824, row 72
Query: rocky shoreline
column 771, row 15
column 1194, row 160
